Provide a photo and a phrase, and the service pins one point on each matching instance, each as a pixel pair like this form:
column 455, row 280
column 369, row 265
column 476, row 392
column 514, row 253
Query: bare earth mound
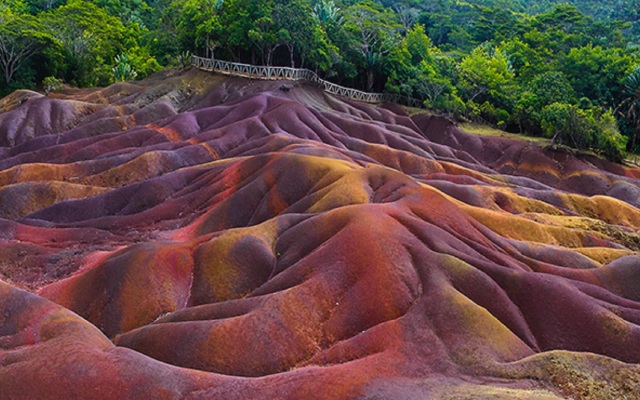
column 199, row 237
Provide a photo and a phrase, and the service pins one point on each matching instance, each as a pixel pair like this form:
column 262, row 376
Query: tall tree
column 330, row 20
column 419, row 69
column 90, row 39
column 199, row 21
column 266, row 37
column 597, row 73
column 295, row 17
column 629, row 109
column 407, row 16
column 544, row 89
column 245, row 25
column 486, row 71
column 21, row 37
column 374, row 34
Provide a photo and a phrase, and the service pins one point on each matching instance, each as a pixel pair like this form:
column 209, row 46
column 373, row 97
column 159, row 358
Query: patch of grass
column 411, row 111
column 486, row 130
column 634, row 159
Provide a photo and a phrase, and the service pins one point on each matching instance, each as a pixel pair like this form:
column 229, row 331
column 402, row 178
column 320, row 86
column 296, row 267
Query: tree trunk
column 7, row 76
column 370, row 80
column 290, row 47
column 9, row 70
column 234, row 55
column 269, row 56
column 478, row 93
column 270, row 53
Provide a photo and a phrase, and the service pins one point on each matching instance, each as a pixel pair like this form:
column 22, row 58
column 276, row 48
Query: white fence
column 296, row 74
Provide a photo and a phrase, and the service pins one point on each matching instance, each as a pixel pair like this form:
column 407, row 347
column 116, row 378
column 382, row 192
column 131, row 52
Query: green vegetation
column 123, row 71
column 566, row 70
column 51, row 84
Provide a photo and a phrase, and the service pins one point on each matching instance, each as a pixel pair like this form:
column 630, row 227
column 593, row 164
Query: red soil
column 199, row 237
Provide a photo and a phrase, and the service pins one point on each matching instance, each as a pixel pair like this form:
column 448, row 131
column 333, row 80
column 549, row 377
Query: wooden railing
column 297, row 74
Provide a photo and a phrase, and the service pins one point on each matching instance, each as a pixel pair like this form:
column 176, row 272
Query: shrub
column 184, row 59
column 51, row 84
column 123, row 71
column 592, row 129
column 611, row 143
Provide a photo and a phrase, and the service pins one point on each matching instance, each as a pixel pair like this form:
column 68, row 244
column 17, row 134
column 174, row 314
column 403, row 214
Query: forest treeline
column 565, row 70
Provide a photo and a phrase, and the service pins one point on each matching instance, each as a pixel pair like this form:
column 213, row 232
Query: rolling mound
column 195, row 237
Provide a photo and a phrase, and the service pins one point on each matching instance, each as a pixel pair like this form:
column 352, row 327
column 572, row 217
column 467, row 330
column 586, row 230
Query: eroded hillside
column 193, row 236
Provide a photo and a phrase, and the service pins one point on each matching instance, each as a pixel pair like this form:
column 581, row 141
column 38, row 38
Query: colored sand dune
column 198, row 237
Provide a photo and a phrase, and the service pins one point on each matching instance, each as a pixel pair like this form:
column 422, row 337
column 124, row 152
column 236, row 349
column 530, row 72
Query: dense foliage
column 556, row 68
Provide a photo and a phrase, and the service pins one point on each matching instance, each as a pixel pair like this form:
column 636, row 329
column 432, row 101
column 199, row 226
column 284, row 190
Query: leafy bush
column 184, row 59
column 123, row 71
column 566, row 124
column 611, row 143
column 142, row 62
column 452, row 105
column 51, row 84
column 592, row 129
column 544, row 89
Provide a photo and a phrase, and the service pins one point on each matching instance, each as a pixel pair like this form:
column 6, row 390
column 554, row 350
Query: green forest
column 568, row 71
